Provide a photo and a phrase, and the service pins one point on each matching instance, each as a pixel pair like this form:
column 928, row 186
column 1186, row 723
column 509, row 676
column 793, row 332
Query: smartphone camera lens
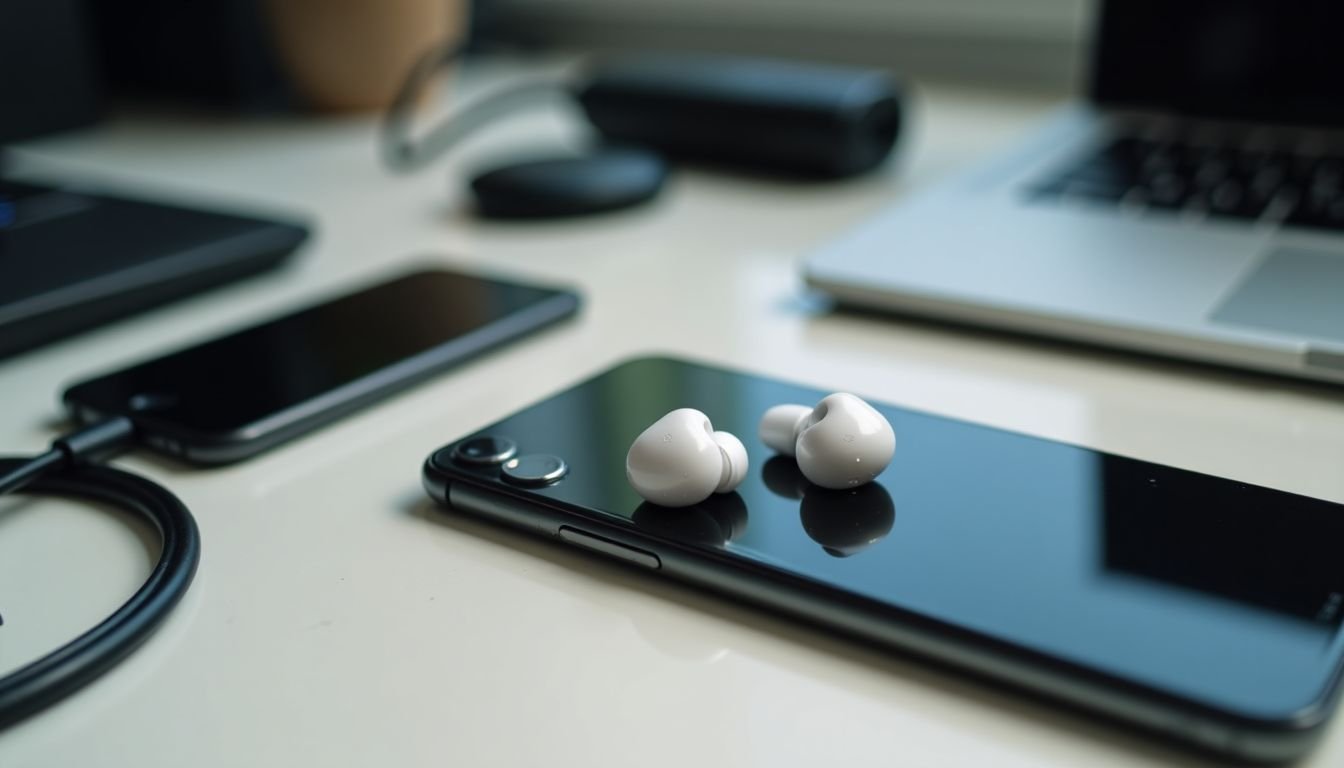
column 534, row 469
column 485, row 450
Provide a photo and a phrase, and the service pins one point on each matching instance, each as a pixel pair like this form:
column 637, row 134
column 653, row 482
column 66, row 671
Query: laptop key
column 1226, row 198
column 1208, row 175
column 1318, row 211
column 1211, row 174
column 1082, row 189
column 1166, row 191
column 1103, row 174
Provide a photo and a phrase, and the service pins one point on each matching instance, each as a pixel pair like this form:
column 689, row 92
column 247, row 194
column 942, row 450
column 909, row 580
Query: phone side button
column 608, row 547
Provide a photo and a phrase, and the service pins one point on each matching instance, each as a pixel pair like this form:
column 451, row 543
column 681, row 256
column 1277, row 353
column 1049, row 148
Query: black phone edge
column 1219, row 732
column 210, row 450
column 1224, row 733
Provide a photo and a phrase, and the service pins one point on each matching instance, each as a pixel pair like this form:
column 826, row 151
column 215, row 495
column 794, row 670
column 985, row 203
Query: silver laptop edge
column 972, row 250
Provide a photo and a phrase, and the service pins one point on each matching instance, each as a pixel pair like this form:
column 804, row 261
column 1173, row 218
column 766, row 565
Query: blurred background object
column 328, row 55
column 767, row 116
column 351, row 54
column 74, row 255
column 354, row 54
column 1022, row 43
column 50, row 42
column 216, row 52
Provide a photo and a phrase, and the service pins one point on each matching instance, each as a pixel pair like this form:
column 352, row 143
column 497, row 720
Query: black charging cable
column 71, row 468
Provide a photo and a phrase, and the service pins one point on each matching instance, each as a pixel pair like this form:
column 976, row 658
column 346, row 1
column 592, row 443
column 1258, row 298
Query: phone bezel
column 206, row 447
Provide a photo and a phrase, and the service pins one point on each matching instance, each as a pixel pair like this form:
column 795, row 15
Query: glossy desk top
column 339, row 619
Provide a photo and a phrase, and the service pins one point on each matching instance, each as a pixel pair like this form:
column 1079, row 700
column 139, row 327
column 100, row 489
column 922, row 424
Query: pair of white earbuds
column 680, row 460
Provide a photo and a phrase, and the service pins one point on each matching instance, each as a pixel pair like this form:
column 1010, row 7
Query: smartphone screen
column 240, row 393
column 1224, row 595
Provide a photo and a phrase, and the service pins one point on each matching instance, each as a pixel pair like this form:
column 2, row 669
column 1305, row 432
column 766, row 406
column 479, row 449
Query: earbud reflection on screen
column 680, row 460
column 845, row 521
column 841, row 443
column 713, row 522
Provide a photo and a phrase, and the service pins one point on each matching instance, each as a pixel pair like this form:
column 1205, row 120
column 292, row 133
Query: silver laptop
column 1194, row 207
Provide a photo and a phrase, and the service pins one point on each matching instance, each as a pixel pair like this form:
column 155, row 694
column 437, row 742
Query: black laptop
column 73, row 256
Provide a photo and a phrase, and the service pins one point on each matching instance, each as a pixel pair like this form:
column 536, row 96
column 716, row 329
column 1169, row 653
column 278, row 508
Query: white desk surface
column 339, row 619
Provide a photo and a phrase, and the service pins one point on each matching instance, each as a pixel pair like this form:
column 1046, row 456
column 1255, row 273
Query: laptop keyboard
column 1202, row 178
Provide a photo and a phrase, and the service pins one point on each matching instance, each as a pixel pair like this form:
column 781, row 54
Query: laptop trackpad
column 1295, row 291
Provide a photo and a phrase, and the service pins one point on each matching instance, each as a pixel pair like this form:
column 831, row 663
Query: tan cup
column 351, row 55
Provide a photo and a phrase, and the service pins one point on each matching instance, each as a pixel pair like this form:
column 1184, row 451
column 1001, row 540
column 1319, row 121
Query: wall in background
column 1030, row 43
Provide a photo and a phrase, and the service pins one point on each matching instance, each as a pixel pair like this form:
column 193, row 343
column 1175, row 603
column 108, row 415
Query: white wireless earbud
column 842, row 443
column 681, row 460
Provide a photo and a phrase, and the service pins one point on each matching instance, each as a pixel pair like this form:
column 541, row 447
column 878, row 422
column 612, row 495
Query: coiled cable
column 68, row 470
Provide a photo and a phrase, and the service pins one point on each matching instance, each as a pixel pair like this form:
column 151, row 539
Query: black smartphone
column 1189, row 604
column 245, row 392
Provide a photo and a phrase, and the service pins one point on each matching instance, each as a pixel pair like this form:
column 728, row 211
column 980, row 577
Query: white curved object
column 680, row 460
column 841, row 443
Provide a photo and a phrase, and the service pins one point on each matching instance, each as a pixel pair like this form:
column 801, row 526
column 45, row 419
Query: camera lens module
column 534, row 469
column 485, row 450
